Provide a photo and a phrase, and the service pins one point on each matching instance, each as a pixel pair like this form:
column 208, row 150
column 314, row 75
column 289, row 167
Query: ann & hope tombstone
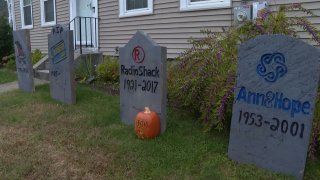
column 61, row 57
column 275, row 93
column 143, row 78
column 23, row 60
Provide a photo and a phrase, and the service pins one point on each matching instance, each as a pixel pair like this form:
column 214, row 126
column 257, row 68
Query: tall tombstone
column 143, row 78
column 23, row 60
column 276, row 85
column 61, row 57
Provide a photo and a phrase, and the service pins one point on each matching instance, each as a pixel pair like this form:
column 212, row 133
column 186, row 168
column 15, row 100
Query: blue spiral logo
column 272, row 67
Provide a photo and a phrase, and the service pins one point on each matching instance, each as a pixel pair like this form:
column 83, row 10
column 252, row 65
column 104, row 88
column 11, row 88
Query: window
column 135, row 7
column 48, row 12
column 191, row 5
column 26, row 14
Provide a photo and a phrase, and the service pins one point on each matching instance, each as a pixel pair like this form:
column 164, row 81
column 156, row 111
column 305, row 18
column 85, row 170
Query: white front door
column 84, row 22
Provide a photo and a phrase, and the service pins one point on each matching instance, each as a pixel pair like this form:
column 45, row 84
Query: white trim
column 22, row 16
column 187, row 5
column 14, row 27
column 123, row 12
column 96, row 15
column 71, row 6
column 11, row 13
column 51, row 23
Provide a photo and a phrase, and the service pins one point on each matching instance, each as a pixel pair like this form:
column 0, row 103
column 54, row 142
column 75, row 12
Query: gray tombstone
column 143, row 78
column 276, row 84
column 23, row 60
column 62, row 81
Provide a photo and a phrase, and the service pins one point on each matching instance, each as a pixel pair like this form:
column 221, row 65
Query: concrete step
column 87, row 50
column 42, row 64
column 47, row 64
column 42, row 74
column 41, row 69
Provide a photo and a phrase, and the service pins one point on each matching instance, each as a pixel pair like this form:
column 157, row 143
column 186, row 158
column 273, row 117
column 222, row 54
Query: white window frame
column 23, row 26
column 43, row 22
column 11, row 13
column 123, row 12
column 187, row 5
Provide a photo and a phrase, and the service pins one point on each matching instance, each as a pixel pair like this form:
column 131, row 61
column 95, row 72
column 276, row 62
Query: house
column 107, row 25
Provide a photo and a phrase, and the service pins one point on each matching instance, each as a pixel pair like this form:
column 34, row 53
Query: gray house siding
column 170, row 27
column 17, row 14
column 38, row 34
column 313, row 5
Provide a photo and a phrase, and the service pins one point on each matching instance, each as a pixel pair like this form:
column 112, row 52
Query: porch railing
column 84, row 32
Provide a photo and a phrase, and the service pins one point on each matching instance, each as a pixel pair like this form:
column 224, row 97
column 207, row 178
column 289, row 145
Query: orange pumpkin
column 147, row 124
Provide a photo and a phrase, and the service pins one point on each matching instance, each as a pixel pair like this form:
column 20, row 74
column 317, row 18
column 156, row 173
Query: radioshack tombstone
column 143, row 78
column 276, row 85
column 62, row 82
column 23, row 60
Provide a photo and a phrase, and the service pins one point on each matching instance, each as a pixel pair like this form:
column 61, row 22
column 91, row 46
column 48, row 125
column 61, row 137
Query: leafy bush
column 85, row 70
column 36, row 56
column 6, row 41
column 108, row 71
column 203, row 81
column 205, row 76
column 11, row 62
column 315, row 137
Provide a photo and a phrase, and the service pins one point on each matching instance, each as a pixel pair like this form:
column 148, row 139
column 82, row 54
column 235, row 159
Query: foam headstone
column 276, row 85
column 23, row 60
column 143, row 78
column 61, row 57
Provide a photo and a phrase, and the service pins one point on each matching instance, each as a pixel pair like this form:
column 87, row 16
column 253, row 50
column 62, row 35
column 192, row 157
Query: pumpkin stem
column 147, row 110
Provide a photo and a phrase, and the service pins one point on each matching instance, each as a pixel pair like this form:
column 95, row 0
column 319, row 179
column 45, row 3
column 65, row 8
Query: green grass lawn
column 43, row 139
column 7, row 76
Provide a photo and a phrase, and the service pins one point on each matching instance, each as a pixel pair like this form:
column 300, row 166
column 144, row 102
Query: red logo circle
column 138, row 54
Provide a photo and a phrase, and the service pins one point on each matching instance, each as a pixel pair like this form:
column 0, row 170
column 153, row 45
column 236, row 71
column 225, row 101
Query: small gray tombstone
column 62, row 82
column 23, row 60
column 143, row 78
column 275, row 93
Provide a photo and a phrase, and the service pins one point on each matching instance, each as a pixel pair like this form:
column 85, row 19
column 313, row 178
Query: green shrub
column 85, row 70
column 205, row 75
column 314, row 148
column 11, row 62
column 203, row 81
column 108, row 71
column 6, row 40
column 36, row 56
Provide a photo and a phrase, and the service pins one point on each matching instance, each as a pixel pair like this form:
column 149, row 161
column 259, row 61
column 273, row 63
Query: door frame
column 72, row 15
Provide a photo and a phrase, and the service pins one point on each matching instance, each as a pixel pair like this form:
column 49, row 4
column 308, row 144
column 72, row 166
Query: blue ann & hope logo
column 272, row 67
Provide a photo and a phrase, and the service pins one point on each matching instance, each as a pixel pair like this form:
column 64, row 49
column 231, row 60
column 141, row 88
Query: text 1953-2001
column 293, row 128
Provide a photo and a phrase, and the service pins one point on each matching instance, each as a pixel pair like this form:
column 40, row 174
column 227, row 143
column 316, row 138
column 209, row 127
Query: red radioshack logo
column 138, row 54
